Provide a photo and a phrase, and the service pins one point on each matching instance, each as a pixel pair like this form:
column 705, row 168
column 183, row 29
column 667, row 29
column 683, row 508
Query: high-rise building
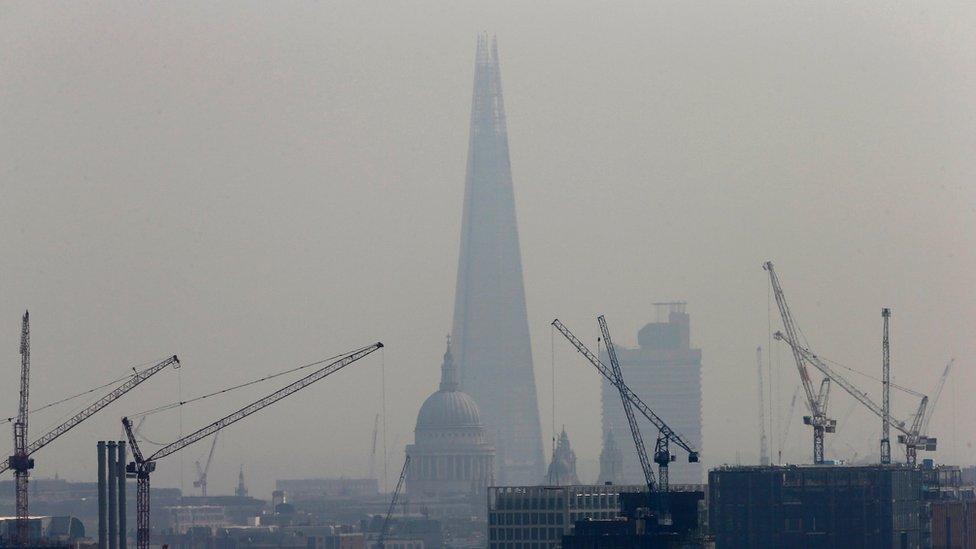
column 665, row 372
column 491, row 330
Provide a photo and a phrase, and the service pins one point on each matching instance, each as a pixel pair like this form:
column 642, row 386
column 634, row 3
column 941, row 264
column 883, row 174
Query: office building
column 665, row 372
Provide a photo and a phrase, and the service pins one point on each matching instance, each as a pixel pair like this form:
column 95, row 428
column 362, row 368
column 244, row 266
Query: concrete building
column 816, row 506
column 664, row 371
column 539, row 516
column 451, row 454
column 491, row 330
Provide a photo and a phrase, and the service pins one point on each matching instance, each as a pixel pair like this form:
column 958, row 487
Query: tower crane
column 886, row 391
column 860, row 395
column 666, row 434
column 763, row 443
column 381, row 541
column 917, row 439
column 631, row 420
column 816, row 402
column 785, row 436
column 21, row 461
column 143, row 466
column 201, row 481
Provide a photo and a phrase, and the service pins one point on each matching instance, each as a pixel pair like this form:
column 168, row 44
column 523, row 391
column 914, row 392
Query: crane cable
column 81, row 394
column 179, row 403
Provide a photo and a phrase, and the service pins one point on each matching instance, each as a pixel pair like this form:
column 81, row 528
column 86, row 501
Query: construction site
column 452, row 449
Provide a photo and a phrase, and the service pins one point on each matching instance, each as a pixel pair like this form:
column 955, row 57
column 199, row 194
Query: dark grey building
column 491, row 330
column 816, row 506
column 665, row 371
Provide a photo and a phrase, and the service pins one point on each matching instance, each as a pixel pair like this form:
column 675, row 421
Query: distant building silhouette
column 491, row 330
column 665, row 371
column 611, row 459
column 562, row 468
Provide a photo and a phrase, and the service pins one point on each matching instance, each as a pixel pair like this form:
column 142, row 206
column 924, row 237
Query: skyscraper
column 665, row 371
column 491, row 331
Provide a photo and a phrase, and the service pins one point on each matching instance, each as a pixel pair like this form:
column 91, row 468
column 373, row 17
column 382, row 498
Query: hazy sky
column 257, row 185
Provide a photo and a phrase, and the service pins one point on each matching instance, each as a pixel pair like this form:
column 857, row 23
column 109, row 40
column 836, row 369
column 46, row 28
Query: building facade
column 816, row 506
column 664, row 371
column 539, row 516
column 451, row 454
column 491, row 330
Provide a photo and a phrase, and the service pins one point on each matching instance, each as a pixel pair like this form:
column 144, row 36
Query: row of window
column 519, row 534
column 518, row 519
column 521, row 545
column 506, row 502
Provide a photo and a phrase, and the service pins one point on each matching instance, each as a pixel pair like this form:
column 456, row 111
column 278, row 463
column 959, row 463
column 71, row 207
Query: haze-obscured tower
column 491, row 331
column 665, row 371
column 611, row 459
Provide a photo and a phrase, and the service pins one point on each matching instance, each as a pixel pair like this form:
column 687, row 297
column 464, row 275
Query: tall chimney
column 102, row 543
column 113, row 534
column 121, row 493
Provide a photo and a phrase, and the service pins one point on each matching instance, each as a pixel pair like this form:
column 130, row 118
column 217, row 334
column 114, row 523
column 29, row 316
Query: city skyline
column 256, row 188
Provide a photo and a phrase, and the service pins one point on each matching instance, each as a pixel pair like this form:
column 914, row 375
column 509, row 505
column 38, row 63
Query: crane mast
column 885, row 391
column 629, row 411
column 142, row 466
column 201, row 481
column 816, row 402
column 763, row 442
column 851, row 389
column 917, row 439
column 384, row 530
column 75, row 420
column 20, row 462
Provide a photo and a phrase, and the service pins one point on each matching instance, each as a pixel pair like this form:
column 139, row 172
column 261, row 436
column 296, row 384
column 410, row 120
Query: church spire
column 449, row 372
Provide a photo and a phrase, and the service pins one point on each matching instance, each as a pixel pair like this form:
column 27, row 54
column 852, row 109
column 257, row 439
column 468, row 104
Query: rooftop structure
column 491, row 330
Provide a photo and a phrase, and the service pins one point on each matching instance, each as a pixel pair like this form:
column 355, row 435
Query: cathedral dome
column 446, row 409
column 449, row 407
column 451, row 454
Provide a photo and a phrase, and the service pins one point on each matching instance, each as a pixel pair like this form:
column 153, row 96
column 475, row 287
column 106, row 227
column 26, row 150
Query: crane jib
column 137, row 379
column 644, row 409
column 262, row 403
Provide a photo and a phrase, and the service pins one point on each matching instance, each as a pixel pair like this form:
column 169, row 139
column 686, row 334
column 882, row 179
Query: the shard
column 491, row 331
